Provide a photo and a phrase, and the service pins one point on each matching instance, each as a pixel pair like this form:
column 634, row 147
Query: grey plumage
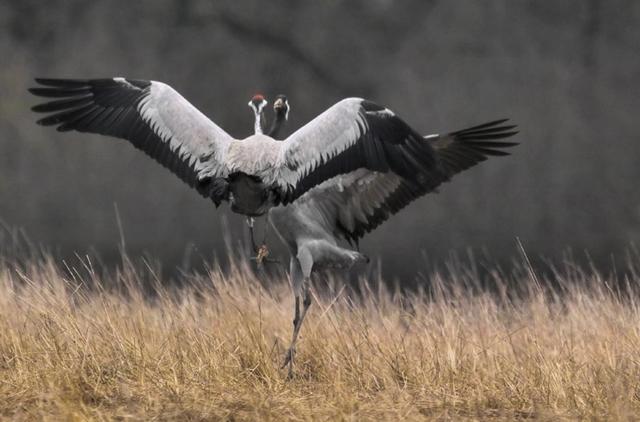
column 350, row 205
column 347, row 170
column 255, row 173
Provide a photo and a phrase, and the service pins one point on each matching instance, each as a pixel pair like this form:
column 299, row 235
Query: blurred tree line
column 566, row 72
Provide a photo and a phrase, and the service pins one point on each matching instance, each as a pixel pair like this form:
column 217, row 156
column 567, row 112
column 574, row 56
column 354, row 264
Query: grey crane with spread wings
column 350, row 205
column 252, row 174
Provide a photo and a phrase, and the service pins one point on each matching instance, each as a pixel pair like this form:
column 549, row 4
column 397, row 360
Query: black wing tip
column 53, row 85
column 496, row 129
column 492, row 125
column 62, row 82
column 495, row 152
column 479, row 136
column 499, row 121
column 45, row 122
column 509, row 133
column 51, row 120
column 60, row 89
column 496, row 122
column 57, row 92
column 491, row 147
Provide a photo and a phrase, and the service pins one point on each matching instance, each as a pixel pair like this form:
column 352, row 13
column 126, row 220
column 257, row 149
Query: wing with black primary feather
column 350, row 135
column 151, row 115
column 360, row 201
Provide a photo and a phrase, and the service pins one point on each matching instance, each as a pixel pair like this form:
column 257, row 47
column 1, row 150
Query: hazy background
column 568, row 73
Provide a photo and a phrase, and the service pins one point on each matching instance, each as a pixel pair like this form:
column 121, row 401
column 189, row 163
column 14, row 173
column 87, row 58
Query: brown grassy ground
column 211, row 350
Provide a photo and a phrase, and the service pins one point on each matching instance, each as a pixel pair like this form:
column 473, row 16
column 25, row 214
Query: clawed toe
column 263, row 252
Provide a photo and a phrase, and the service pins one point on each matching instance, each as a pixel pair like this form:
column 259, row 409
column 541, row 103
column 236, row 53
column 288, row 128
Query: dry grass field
column 83, row 346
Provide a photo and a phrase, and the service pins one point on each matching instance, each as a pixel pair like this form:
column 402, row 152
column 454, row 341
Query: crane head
column 257, row 103
column 281, row 106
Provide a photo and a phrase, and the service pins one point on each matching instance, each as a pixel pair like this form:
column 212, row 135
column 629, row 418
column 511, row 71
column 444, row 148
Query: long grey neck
column 277, row 125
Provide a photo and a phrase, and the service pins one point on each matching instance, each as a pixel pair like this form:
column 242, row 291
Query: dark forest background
column 568, row 73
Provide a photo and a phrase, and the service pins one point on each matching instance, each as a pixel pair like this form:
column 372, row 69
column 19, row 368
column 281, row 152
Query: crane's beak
column 278, row 103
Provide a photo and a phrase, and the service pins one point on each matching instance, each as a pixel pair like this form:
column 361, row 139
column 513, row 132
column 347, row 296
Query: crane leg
column 300, row 273
column 262, row 251
column 250, row 222
column 298, row 319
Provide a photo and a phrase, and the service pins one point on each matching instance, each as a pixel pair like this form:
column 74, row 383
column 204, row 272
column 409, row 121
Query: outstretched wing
column 353, row 134
column 151, row 115
column 358, row 202
column 457, row 151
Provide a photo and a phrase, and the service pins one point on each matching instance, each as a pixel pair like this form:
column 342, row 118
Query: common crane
column 253, row 174
column 281, row 114
column 350, row 205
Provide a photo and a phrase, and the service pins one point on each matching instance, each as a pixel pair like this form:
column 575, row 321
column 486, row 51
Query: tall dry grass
column 80, row 347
